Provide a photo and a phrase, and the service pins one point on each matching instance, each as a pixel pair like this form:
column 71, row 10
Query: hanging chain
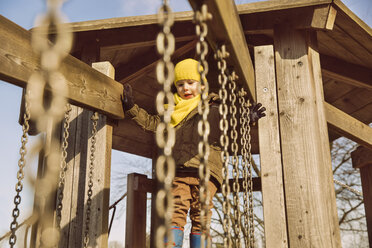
column 201, row 17
column 47, row 110
column 62, row 172
column 20, row 173
column 235, row 159
column 243, row 139
column 94, row 118
column 165, row 134
column 250, row 180
column 220, row 56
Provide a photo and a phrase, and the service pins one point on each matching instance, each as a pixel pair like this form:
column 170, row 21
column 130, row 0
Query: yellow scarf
column 182, row 108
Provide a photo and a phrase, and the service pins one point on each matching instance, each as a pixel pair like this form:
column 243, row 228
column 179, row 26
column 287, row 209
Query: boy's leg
column 181, row 204
column 195, row 236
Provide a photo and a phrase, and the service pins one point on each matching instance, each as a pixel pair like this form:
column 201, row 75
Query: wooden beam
column 225, row 28
column 362, row 159
column 135, row 230
column 346, row 72
column 270, row 151
column 87, row 87
column 310, row 17
column 348, row 126
column 307, row 169
column 147, row 69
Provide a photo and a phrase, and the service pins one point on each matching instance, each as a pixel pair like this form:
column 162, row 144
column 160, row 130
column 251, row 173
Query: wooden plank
column 333, row 90
column 364, row 114
column 348, row 126
column 354, row 100
column 332, row 47
column 227, row 29
column 135, row 230
column 310, row 17
column 362, row 158
column 87, row 87
column 98, row 231
column 350, row 43
column 366, row 178
column 309, row 191
column 147, row 69
column 266, row 6
column 270, row 151
column 346, row 72
column 353, row 25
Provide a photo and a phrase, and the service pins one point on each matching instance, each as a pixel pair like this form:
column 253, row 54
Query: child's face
column 188, row 88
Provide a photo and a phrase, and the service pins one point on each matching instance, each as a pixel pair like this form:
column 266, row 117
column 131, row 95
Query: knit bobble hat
column 187, row 69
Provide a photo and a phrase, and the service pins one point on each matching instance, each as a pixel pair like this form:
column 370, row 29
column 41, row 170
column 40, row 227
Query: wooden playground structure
column 311, row 68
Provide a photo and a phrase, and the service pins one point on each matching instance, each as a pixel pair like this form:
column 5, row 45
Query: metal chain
column 235, row 159
column 94, row 118
column 244, row 160
column 20, row 173
column 201, row 17
column 250, row 180
column 220, row 56
column 62, row 172
column 165, row 134
column 46, row 108
column 348, row 188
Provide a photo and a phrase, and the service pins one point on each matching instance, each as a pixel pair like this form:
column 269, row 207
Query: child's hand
column 127, row 100
column 256, row 111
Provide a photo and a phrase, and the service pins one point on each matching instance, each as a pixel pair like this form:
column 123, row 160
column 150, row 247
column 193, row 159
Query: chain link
column 62, row 172
column 201, row 17
column 46, row 108
column 165, row 134
column 94, row 118
column 220, row 56
column 244, row 160
column 250, row 180
column 20, row 173
column 235, row 159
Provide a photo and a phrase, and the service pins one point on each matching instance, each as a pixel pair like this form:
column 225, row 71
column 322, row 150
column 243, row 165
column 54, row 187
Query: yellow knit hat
column 187, row 69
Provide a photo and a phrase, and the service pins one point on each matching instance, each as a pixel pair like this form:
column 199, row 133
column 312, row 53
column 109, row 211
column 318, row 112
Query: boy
column 185, row 120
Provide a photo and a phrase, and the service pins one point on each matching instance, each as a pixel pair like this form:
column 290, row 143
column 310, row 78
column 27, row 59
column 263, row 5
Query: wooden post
column 74, row 202
column 270, row 152
column 135, row 230
column 362, row 159
column 308, row 181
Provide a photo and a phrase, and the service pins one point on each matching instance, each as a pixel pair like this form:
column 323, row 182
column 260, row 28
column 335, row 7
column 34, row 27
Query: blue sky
column 23, row 12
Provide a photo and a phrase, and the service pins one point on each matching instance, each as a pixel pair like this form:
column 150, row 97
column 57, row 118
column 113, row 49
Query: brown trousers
column 186, row 197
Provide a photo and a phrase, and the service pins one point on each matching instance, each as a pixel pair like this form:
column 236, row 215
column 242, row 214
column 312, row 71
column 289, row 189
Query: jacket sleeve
column 214, row 124
column 143, row 119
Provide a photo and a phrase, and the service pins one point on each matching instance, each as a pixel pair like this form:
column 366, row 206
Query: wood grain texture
column 362, row 158
column 86, row 87
column 309, row 191
column 348, row 126
column 270, row 151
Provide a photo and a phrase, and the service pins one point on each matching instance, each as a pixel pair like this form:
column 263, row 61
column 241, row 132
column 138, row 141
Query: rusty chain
column 235, row 158
column 250, row 180
column 62, row 172
column 220, row 56
column 244, row 161
column 94, row 118
column 20, row 173
column 165, row 134
column 201, row 17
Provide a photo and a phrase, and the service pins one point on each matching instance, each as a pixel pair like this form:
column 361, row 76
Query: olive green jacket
column 185, row 150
